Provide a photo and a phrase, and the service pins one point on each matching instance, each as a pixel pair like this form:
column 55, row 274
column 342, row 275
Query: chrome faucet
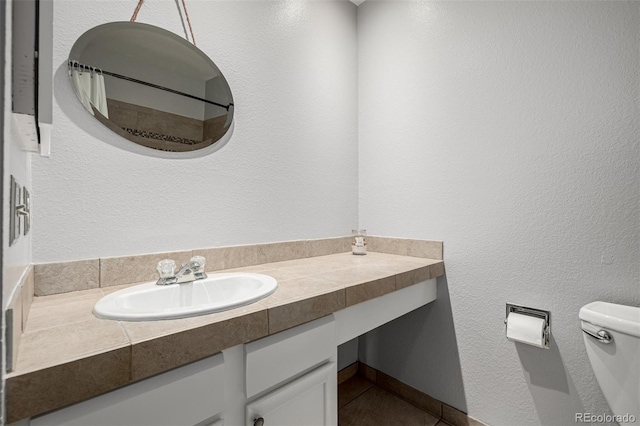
column 189, row 272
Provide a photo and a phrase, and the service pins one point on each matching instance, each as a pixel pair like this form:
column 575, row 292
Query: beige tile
column 377, row 260
column 302, row 267
column 277, row 252
column 417, row 398
column 239, row 256
column 387, row 245
column 213, row 127
column 185, row 128
column 150, row 122
column 164, row 353
column 300, row 288
column 367, row 372
column 350, row 259
column 255, row 269
column 406, row 262
column 135, row 269
column 326, row 246
column 437, row 270
column 52, row 311
column 347, row 372
column 407, row 247
column 121, row 115
column 54, row 278
column 424, row 248
column 213, row 257
column 304, row 270
column 114, row 288
column 354, row 275
column 28, row 291
column 14, row 313
column 389, row 268
column 295, row 313
column 318, row 260
column 388, row 264
column 40, row 391
column 456, row 417
column 63, row 298
column 415, row 276
column 352, row 388
column 377, row 407
column 69, row 342
column 280, row 274
column 370, row 290
column 141, row 331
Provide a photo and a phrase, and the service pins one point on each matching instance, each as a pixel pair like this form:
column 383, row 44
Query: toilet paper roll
column 526, row 329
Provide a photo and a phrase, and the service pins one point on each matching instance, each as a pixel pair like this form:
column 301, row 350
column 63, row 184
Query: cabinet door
column 310, row 400
column 186, row 396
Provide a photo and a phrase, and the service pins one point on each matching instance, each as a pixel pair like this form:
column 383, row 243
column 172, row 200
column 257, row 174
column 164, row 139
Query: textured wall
column 16, row 159
column 289, row 171
column 16, row 162
column 510, row 131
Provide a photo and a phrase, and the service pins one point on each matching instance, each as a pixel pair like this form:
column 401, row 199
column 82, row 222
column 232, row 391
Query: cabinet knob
column 258, row 422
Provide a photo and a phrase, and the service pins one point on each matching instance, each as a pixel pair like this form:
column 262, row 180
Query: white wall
column 347, row 353
column 509, row 130
column 506, row 129
column 289, row 171
column 16, row 258
column 16, row 159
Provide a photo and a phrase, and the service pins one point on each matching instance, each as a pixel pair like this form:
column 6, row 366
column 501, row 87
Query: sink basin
column 218, row 292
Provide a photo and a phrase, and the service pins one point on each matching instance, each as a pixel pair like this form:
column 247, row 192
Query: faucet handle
column 166, row 268
column 198, row 271
column 200, row 260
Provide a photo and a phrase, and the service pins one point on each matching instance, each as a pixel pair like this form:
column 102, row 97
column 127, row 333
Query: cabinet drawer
column 310, row 400
column 185, row 396
column 275, row 359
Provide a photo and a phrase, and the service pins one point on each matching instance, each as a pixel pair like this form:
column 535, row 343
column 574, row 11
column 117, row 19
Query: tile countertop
column 64, row 343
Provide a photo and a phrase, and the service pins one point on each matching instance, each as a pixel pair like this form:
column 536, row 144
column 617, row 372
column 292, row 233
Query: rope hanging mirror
column 186, row 13
column 152, row 87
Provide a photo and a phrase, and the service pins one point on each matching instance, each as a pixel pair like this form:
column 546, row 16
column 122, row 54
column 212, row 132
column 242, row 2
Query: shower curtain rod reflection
column 79, row 66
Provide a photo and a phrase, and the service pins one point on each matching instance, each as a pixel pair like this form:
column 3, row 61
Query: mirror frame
column 122, row 141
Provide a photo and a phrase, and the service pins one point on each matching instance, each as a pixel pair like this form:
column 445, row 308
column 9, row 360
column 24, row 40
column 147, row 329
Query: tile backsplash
column 406, row 247
column 62, row 277
column 17, row 315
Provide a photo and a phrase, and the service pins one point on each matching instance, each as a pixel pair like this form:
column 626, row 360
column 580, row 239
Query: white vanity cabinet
column 288, row 378
column 308, row 400
column 189, row 395
column 291, row 377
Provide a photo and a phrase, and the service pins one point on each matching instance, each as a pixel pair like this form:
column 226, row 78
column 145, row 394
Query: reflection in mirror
column 151, row 87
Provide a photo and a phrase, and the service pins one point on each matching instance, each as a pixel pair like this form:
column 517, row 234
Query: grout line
column 440, row 418
column 360, row 394
column 267, row 310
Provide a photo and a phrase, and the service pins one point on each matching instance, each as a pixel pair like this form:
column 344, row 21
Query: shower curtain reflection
column 89, row 86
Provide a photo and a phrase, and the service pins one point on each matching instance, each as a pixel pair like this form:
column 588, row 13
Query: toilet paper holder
column 538, row 313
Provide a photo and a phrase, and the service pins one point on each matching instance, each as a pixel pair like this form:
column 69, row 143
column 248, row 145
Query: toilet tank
column 616, row 364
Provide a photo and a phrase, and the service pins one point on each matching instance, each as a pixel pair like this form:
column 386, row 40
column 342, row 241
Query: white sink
column 218, row 292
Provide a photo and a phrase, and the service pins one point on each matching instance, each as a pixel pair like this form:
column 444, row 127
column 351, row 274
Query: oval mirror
column 152, row 87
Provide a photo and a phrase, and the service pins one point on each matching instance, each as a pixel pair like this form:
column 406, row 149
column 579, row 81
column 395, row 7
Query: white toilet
column 612, row 337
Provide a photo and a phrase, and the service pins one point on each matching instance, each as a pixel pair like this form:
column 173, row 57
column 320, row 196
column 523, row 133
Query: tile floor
column 361, row 403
